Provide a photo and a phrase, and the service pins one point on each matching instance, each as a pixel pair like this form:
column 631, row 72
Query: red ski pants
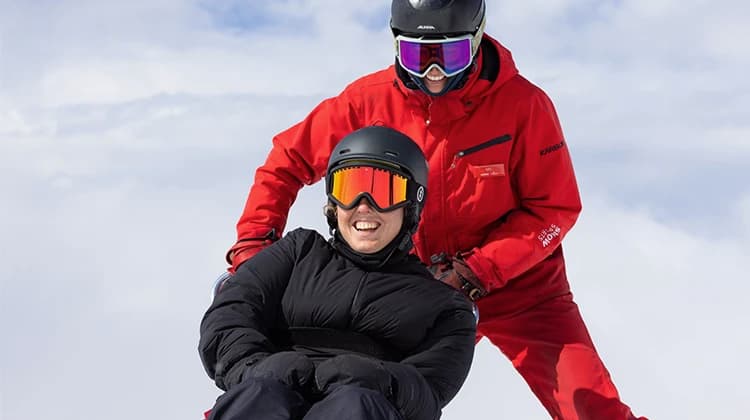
column 550, row 347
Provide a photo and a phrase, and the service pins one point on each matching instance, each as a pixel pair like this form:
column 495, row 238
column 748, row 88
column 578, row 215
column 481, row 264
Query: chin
column 368, row 249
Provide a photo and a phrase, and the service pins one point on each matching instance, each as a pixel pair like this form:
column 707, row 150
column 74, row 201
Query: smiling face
column 435, row 80
column 367, row 230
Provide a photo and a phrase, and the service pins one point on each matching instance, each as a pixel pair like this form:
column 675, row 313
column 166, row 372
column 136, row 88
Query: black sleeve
column 234, row 332
column 425, row 381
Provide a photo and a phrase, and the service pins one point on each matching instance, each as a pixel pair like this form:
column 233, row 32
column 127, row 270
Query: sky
column 130, row 133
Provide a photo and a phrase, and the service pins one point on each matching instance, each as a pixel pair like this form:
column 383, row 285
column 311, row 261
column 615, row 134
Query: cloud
column 662, row 307
column 67, row 58
column 672, row 293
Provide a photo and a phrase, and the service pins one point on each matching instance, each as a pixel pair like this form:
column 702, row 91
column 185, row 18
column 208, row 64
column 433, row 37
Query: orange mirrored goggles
column 385, row 189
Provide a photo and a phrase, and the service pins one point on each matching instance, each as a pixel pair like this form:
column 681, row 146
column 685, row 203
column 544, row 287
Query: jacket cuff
column 233, row 375
column 484, row 270
column 413, row 395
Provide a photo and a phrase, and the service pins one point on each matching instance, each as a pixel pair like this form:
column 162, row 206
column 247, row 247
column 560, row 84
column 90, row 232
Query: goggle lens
column 386, row 189
column 417, row 55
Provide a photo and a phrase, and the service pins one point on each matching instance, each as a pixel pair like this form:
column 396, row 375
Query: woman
column 354, row 327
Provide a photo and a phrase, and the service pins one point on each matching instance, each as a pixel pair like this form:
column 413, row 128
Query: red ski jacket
column 501, row 188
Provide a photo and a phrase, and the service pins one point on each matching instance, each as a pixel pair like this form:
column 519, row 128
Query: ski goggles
column 451, row 55
column 385, row 189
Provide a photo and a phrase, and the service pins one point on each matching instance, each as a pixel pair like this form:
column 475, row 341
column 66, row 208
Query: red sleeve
column 547, row 192
column 299, row 156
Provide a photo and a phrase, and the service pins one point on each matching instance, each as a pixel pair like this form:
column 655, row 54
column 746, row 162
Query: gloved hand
column 351, row 369
column 291, row 368
column 246, row 248
column 458, row 275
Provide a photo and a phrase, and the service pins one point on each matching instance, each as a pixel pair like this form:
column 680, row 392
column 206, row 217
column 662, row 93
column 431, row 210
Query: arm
column 425, row 381
column 546, row 188
column 299, row 156
column 234, row 330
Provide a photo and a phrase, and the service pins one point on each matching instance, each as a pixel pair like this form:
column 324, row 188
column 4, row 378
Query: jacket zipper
column 428, row 121
column 480, row 146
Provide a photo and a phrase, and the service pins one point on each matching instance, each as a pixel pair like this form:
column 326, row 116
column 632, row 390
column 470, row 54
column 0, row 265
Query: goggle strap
column 477, row 39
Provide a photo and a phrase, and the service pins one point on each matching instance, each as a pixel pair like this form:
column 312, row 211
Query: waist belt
column 340, row 340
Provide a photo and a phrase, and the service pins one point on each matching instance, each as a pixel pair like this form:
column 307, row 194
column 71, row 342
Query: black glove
column 351, row 369
column 291, row 368
column 458, row 275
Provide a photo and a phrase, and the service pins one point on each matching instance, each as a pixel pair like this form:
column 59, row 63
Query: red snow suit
column 501, row 191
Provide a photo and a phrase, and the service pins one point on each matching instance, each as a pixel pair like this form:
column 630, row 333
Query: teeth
column 435, row 78
column 365, row 225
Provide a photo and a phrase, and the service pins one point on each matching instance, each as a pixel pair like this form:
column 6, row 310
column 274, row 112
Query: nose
column 363, row 205
column 435, row 71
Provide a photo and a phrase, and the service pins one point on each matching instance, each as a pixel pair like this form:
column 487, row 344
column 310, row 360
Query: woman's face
column 367, row 230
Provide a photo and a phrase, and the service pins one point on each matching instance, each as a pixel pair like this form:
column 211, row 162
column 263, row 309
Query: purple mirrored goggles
column 451, row 55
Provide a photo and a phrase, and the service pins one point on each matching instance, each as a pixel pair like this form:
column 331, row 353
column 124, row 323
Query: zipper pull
column 455, row 158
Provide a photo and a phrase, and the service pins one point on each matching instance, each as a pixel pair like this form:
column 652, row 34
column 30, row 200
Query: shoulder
column 509, row 76
column 380, row 79
column 310, row 247
column 438, row 303
column 304, row 238
column 449, row 300
column 521, row 91
column 359, row 91
column 424, row 284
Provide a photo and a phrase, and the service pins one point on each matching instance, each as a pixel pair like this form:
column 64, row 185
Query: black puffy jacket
column 304, row 295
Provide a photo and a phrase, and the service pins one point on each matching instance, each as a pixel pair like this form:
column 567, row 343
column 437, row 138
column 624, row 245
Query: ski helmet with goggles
column 382, row 165
column 436, row 33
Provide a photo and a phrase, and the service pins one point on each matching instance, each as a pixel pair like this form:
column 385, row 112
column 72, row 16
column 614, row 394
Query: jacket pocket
column 481, row 146
column 478, row 186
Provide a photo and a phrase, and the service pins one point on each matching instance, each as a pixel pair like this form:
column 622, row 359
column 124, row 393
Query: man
column 503, row 192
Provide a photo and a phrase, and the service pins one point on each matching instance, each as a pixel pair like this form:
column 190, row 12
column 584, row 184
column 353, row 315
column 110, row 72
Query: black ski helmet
column 390, row 149
column 438, row 18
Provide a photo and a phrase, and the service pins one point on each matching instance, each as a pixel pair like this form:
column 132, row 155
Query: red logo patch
column 485, row 171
